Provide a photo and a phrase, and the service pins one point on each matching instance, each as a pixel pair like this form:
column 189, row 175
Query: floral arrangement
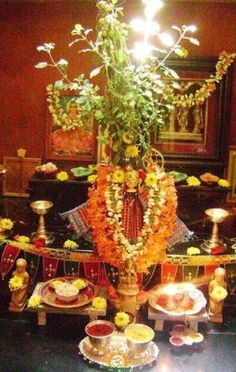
column 22, row 238
column 105, row 216
column 99, row 303
column 191, row 251
column 6, row 224
column 136, row 98
column 219, row 293
column 121, row 319
column 62, row 176
column 70, row 244
column 15, row 282
column 80, row 283
column 193, row 181
column 223, row 183
column 34, row 301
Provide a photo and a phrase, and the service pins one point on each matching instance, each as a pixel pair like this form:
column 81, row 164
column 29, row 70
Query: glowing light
column 142, row 50
column 152, row 28
column 137, row 24
column 157, row 4
column 150, row 11
column 166, row 39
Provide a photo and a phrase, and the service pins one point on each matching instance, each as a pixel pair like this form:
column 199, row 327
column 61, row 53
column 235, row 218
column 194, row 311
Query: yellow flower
column 79, row 283
column 6, row 224
column 151, row 179
column 193, row 181
column 223, row 183
column 219, row 292
column 34, row 301
column 23, row 239
column 121, row 319
column 193, row 250
column 93, row 167
column 92, row 178
column 127, row 138
column 118, row 176
column 15, row 282
column 99, row 303
column 62, row 176
column 131, row 151
column 69, row 244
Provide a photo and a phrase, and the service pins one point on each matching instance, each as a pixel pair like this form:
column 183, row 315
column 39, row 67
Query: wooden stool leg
column 42, row 319
column 193, row 324
column 159, row 323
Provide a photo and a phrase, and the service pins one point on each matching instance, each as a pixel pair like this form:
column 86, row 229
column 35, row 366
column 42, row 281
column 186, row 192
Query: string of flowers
column 105, row 217
column 207, row 87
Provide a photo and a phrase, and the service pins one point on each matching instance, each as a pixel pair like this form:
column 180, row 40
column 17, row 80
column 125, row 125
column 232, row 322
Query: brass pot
column 138, row 338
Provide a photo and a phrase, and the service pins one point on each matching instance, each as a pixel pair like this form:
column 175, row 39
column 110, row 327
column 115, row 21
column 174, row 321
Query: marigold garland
column 158, row 223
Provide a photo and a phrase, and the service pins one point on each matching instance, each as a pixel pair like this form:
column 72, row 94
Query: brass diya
column 215, row 215
column 41, row 207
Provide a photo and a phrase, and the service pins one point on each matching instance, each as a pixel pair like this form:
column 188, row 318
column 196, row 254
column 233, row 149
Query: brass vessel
column 41, row 207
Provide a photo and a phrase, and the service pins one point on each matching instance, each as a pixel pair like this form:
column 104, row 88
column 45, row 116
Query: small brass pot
column 99, row 342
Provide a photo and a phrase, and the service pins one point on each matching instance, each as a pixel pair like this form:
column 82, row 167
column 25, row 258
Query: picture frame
column 18, row 172
column 78, row 144
column 197, row 136
column 231, row 174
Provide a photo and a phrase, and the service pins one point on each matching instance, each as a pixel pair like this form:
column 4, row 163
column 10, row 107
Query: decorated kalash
column 130, row 215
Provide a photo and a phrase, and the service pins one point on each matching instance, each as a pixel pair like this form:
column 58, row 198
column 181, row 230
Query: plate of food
column 177, row 299
column 68, row 292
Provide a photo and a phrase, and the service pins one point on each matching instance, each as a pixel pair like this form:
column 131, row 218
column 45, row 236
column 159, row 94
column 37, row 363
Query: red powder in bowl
column 176, row 341
column 99, row 330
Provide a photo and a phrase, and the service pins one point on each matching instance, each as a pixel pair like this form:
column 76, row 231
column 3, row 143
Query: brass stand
column 41, row 207
column 215, row 215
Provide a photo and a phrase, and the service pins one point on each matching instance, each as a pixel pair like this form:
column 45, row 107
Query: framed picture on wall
column 232, row 174
column 78, row 143
column 196, row 134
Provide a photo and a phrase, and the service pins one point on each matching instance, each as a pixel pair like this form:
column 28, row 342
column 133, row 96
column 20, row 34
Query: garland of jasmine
column 105, row 216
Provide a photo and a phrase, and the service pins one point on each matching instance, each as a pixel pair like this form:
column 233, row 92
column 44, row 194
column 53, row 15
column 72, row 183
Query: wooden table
column 44, row 309
column 193, row 320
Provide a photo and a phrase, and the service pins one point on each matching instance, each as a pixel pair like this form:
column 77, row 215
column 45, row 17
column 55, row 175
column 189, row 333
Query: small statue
column 217, row 293
column 19, row 293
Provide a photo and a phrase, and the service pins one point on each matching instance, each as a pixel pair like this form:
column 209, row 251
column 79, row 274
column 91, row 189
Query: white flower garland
column 156, row 200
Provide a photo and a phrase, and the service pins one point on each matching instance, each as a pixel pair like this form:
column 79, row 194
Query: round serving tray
column 200, row 301
column 117, row 357
column 84, row 297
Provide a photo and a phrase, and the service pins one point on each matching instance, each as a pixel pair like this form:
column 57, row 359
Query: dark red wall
column 25, row 25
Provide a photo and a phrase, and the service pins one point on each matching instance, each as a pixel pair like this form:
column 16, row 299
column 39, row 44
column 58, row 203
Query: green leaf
column 41, row 65
column 95, row 72
column 99, row 115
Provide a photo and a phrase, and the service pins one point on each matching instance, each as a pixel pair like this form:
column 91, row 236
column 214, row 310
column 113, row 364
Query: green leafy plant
column 136, row 94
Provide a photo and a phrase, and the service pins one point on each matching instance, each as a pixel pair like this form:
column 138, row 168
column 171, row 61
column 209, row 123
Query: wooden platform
column 193, row 320
column 44, row 309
